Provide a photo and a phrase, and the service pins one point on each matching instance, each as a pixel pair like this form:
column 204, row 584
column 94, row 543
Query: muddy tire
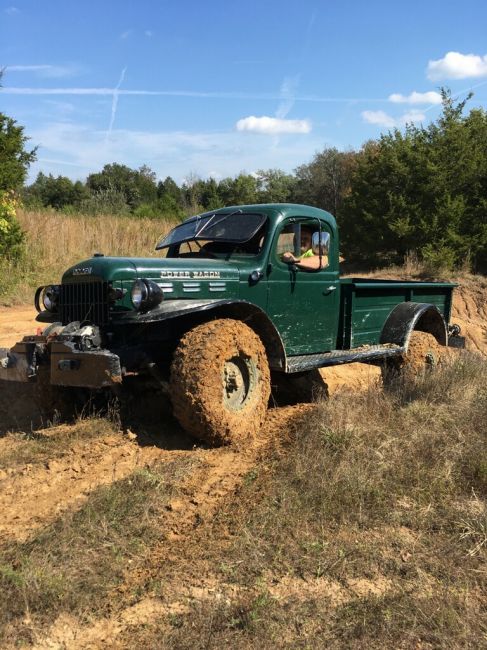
column 220, row 382
column 423, row 355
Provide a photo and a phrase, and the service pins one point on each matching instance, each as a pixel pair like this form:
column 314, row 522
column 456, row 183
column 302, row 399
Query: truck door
column 303, row 304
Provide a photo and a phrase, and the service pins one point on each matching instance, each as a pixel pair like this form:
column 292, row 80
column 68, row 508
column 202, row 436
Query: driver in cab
column 307, row 260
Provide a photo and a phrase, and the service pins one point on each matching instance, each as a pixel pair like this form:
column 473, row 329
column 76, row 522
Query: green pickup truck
column 236, row 294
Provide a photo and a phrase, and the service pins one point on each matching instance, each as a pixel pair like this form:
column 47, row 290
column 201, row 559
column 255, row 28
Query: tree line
column 421, row 190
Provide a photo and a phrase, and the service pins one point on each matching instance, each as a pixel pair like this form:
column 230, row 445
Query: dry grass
column 413, row 269
column 37, row 447
column 56, row 241
column 75, row 564
column 386, row 491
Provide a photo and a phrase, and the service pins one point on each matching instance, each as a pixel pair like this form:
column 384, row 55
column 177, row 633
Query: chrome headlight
column 47, row 298
column 146, row 294
column 139, row 293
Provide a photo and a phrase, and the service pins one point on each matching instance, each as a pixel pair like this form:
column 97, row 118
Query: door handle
column 329, row 289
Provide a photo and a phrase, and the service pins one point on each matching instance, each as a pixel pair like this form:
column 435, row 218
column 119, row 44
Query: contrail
column 458, row 93
column 12, row 90
column 114, row 105
column 288, row 95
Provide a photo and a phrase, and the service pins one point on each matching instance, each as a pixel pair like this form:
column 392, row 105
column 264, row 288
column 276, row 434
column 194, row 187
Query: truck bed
column 365, row 305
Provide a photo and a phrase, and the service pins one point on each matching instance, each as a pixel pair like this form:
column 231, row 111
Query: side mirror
column 320, row 245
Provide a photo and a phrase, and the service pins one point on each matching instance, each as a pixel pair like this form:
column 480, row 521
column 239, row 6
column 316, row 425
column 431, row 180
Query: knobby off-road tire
column 220, row 382
column 423, row 355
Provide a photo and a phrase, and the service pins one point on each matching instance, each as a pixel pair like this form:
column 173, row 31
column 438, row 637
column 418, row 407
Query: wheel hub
column 238, row 379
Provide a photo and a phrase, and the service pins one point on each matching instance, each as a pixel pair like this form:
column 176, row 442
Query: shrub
column 11, row 234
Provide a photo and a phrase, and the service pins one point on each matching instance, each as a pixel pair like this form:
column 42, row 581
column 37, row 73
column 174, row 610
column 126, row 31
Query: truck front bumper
column 67, row 365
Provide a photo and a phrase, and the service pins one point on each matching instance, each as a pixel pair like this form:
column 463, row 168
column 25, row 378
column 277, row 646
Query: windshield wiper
column 197, row 234
column 224, row 216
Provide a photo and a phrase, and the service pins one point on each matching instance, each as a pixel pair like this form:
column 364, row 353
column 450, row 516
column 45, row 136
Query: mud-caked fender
column 409, row 316
column 257, row 319
column 194, row 312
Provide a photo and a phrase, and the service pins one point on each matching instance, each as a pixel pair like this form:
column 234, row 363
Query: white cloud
column 62, row 108
column 11, row 11
column 272, row 125
column 126, row 34
column 412, row 116
column 45, row 70
column 380, row 118
column 431, row 97
column 455, row 65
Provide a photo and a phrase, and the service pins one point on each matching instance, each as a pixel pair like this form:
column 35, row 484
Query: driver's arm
column 312, row 262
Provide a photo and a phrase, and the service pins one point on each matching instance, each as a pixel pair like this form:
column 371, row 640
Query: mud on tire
column 220, row 382
column 423, row 355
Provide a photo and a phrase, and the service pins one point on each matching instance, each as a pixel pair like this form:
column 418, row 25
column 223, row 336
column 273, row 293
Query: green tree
column 422, row 190
column 241, row 190
column 55, row 192
column 137, row 186
column 169, row 188
column 14, row 157
column 275, row 186
column 325, row 181
column 14, row 163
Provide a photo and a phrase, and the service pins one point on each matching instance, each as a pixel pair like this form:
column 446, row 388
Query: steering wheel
column 204, row 252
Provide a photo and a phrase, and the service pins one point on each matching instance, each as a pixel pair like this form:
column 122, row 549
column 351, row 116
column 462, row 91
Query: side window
column 299, row 243
column 286, row 242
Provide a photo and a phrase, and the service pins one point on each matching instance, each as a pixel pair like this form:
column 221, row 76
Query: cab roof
column 278, row 211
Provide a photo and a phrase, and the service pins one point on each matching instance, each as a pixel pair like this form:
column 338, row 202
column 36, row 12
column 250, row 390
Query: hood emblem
column 83, row 270
column 190, row 274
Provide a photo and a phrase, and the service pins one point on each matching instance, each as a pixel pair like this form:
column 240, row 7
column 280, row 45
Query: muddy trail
column 215, row 477
column 34, row 493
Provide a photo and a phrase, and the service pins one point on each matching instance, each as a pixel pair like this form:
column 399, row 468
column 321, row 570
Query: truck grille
column 86, row 301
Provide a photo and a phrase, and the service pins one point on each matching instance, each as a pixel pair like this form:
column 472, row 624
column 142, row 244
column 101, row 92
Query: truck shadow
column 18, row 409
column 144, row 414
column 147, row 417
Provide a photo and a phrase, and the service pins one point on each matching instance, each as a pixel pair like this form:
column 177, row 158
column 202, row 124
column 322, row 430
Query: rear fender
column 409, row 316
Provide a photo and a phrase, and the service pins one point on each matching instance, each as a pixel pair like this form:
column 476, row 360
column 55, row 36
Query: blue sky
column 215, row 88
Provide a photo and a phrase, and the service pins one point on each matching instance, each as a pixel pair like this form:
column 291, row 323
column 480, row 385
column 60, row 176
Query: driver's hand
column 288, row 257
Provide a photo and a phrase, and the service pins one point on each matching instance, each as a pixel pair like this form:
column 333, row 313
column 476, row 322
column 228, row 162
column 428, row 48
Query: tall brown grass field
column 55, row 241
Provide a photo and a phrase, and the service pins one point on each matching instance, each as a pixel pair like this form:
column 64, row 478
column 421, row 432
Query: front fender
column 247, row 312
column 409, row 316
column 166, row 310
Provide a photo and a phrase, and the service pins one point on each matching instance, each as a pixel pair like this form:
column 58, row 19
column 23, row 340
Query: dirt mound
column 16, row 322
column 469, row 310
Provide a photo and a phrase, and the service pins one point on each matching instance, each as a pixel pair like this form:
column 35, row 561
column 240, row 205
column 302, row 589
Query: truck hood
column 111, row 269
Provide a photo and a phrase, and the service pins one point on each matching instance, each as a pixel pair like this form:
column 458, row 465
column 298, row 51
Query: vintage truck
column 218, row 311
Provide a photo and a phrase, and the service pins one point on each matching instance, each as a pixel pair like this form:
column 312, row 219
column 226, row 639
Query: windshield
column 235, row 227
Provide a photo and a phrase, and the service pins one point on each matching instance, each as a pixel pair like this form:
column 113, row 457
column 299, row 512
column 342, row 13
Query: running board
column 365, row 353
